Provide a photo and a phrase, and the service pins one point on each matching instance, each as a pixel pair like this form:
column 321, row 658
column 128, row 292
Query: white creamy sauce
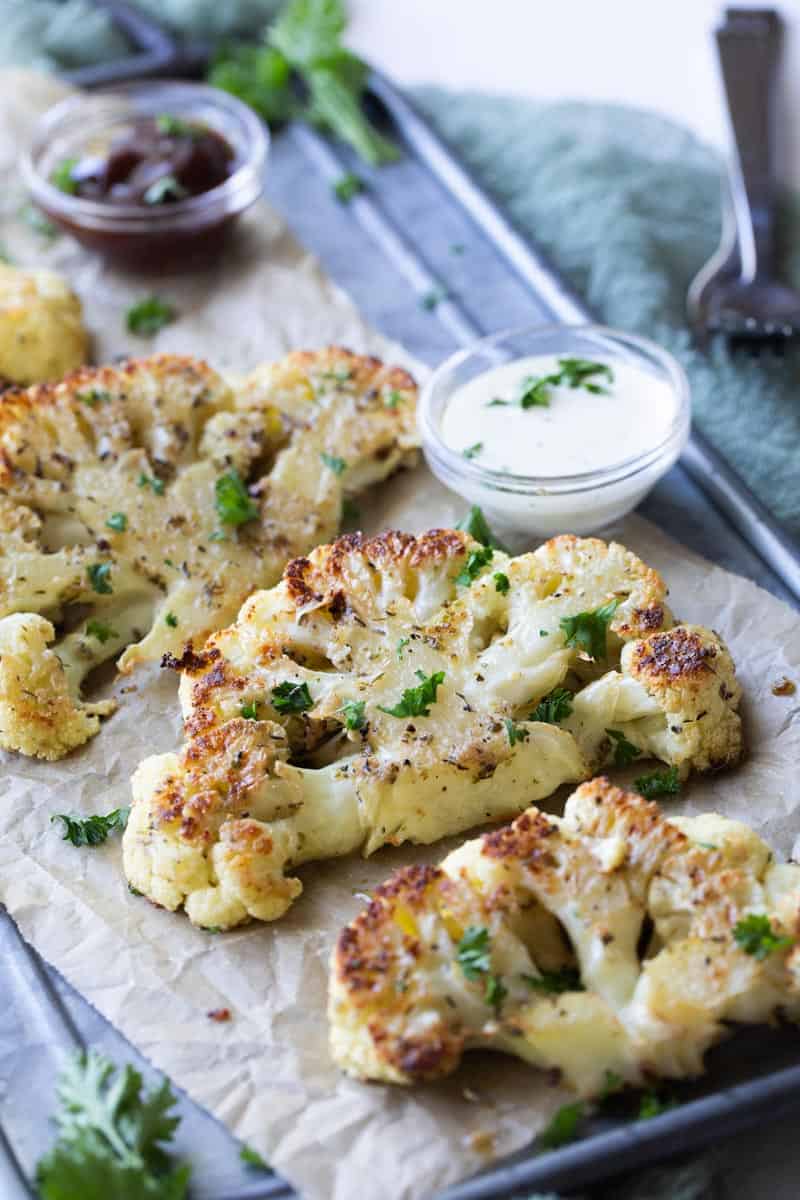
column 579, row 429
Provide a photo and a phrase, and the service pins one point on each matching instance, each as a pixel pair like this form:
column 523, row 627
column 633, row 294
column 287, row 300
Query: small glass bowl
column 141, row 235
column 547, row 505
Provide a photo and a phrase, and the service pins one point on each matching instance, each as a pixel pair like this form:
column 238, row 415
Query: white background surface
column 656, row 54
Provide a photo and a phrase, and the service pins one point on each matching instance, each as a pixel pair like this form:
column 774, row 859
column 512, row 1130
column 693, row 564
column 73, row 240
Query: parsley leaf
column 155, row 484
column 99, row 630
column 415, row 701
column 291, row 697
column 496, row 992
column 100, row 578
column 473, row 952
column 62, row 177
column 149, row 315
column 501, row 582
column 553, row 707
column 336, row 464
column 401, row 645
column 624, row 751
column 354, row 717
column 92, row 831
column 392, row 398
column 755, row 935
column 476, row 561
column 249, row 710
column 117, row 521
column 350, row 511
column 172, row 126
column 658, row 783
column 348, row 186
column 252, row 1158
column 433, row 298
column 111, row 1137
column 565, row 979
column 651, row 1105
column 612, row 1083
column 232, row 501
column 171, row 620
column 516, row 733
column 476, row 525
column 93, row 396
column 564, row 1125
column 165, row 189
column 587, row 631
column 534, row 391
column 473, row 451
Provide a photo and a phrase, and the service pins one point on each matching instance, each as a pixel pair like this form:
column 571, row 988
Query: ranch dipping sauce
column 550, row 415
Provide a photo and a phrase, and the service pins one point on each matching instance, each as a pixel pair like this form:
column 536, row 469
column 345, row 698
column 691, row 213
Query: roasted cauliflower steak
column 611, row 940
column 42, row 336
column 405, row 688
column 140, row 504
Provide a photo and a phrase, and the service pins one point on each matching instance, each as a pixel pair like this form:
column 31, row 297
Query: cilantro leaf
column 232, row 501
column 348, row 186
column 565, row 979
column 249, row 710
column 624, row 751
column 415, row 701
column 100, row 578
column 354, row 711
column 117, row 521
column 99, row 630
column 291, row 697
column 62, row 177
column 252, row 1158
column 473, row 952
column 658, row 783
column 588, row 631
column 501, row 582
column 564, row 1125
column 149, row 315
column 92, row 831
column 496, row 992
column 476, row 525
column 334, row 463
column 756, row 936
column 476, row 561
column 111, row 1137
column 516, row 733
column 553, row 707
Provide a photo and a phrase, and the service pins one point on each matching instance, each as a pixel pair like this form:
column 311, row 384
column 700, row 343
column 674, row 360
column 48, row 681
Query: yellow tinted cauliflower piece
column 407, row 683
column 448, row 958
column 42, row 336
column 112, row 526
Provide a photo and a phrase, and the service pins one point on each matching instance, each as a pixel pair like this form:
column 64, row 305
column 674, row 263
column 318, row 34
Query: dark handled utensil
column 738, row 293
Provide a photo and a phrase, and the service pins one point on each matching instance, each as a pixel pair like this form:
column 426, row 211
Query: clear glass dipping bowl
column 547, row 505
column 147, row 236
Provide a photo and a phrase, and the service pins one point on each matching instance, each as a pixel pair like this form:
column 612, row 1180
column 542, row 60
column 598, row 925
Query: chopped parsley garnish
column 232, row 501
column 553, row 707
column 658, row 783
column 755, row 935
column 92, row 831
column 348, row 186
column 291, row 697
column 501, row 583
column 249, row 710
column 155, row 484
column 100, row 578
column 624, row 751
column 334, row 463
column 93, row 396
column 534, row 391
column 496, row 992
column 172, row 126
column 652, row 1105
column 354, row 714
column 496, row 402
column 99, row 630
column 565, row 979
column 111, row 1136
column 350, row 511
column 171, row 620
column 165, row 189
column 117, row 521
column 433, row 298
column 612, row 1083
column 401, row 645
column 476, row 525
column 473, row 952
column 62, row 177
column 147, row 316
column 564, row 1125
column 415, row 701
column 392, row 398
column 476, row 561
column 251, row 1158
column 516, row 733
column 587, row 631
column 473, row 451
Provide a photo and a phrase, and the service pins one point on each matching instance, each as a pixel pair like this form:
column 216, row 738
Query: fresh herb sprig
column 756, row 936
column 290, row 697
column 92, row 831
column 476, row 525
column 624, row 751
column 553, row 707
column 588, row 631
column 658, row 783
column 149, row 315
column 416, row 702
column 232, row 500
column 535, row 390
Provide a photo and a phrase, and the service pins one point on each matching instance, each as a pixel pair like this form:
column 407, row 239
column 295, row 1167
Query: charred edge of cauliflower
column 453, row 957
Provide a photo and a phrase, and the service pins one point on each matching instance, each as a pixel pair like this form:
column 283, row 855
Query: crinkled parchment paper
column 267, row 1073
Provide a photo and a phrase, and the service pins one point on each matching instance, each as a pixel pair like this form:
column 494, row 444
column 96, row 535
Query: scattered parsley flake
column 401, row 645
column 354, row 714
column 171, row 620
column 100, row 578
column 473, row 451
column 652, row 1105
column 553, row 707
column 433, row 298
column 501, row 582
column 476, row 525
column 290, row 697
column 552, row 983
column 473, row 952
column 543, row 633
column 62, row 177
column 476, row 561
column 658, row 783
column 588, row 631
column 101, row 631
column 118, row 522
column 496, row 992
column 612, row 1083
column 350, row 511
column 155, row 484
column 348, row 186
column 172, row 126
column 149, row 315
column 93, row 396
column 535, row 393
column 392, row 398
column 164, row 190
column 516, row 733
column 624, row 751
column 334, row 463
column 415, row 702
column 534, row 390
column 252, row 1158
column 564, row 1125
column 232, row 500
column 496, row 402
column 756, row 936
column 92, row 831
column 249, row 710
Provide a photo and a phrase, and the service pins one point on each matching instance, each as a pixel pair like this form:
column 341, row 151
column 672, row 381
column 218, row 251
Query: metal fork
column 737, row 292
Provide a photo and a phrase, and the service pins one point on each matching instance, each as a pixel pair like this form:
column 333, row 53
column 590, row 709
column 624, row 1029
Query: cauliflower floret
column 412, row 690
column 149, row 499
column 448, row 958
column 41, row 328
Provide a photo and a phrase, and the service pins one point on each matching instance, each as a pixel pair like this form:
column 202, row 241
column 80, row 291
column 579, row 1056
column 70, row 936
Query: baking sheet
column 267, row 1073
